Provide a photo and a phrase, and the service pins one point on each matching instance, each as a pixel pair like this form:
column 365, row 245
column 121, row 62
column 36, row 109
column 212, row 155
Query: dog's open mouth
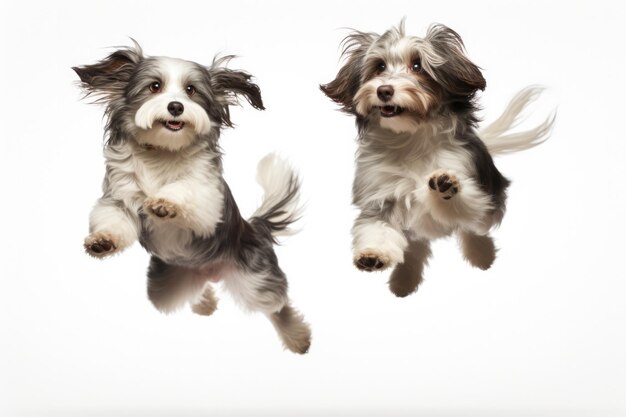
column 390, row 111
column 173, row 125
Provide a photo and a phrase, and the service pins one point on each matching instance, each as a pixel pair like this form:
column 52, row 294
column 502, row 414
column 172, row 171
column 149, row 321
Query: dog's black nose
column 385, row 92
column 175, row 108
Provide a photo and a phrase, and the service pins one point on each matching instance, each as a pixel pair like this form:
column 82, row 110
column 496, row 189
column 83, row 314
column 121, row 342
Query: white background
column 541, row 333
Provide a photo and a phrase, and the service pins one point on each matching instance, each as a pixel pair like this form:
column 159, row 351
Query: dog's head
column 401, row 81
column 165, row 102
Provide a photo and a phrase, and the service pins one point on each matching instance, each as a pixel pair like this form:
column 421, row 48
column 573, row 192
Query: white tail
column 280, row 206
column 497, row 135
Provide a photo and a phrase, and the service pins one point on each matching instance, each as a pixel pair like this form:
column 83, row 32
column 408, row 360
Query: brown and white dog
column 423, row 171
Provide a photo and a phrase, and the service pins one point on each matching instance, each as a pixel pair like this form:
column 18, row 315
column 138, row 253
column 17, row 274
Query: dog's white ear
column 348, row 80
column 109, row 76
column 457, row 73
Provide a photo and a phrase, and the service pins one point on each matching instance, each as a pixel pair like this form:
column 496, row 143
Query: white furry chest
column 412, row 201
column 401, row 177
column 134, row 173
column 188, row 181
column 154, row 172
column 398, row 169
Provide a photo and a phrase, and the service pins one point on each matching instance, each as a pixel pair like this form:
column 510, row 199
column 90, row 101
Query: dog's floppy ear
column 457, row 73
column 110, row 76
column 345, row 85
column 234, row 83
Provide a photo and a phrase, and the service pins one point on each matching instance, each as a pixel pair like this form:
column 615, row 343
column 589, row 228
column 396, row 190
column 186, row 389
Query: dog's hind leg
column 292, row 329
column 170, row 286
column 407, row 276
column 478, row 250
column 206, row 304
column 265, row 290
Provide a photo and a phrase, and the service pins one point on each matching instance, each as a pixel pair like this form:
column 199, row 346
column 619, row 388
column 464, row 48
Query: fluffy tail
column 498, row 137
column 280, row 206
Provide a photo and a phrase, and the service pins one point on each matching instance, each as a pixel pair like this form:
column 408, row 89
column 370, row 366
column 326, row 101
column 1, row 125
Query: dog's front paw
column 444, row 184
column 161, row 208
column 371, row 261
column 100, row 245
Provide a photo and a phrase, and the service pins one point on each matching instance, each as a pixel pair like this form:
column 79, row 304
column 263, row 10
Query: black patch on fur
column 166, row 282
column 491, row 181
column 159, row 271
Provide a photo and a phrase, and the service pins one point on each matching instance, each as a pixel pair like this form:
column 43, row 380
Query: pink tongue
column 175, row 125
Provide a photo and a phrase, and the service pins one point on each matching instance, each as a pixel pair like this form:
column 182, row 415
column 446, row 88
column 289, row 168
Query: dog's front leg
column 193, row 204
column 377, row 242
column 456, row 199
column 112, row 228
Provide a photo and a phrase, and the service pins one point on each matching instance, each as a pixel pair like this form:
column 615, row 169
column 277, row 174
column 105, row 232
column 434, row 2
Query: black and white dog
column 422, row 169
column 164, row 187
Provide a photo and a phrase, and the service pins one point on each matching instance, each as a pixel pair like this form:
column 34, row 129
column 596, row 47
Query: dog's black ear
column 109, row 76
column 234, row 83
column 457, row 73
column 348, row 80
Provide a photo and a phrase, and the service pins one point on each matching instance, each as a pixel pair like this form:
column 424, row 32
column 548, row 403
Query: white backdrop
column 541, row 333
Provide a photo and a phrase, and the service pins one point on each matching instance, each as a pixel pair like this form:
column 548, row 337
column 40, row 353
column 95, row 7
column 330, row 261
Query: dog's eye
column 155, row 87
column 416, row 66
column 380, row 67
column 191, row 90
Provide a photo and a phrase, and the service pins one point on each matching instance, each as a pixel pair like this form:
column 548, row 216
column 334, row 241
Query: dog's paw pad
column 445, row 184
column 371, row 262
column 161, row 211
column 161, row 208
column 99, row 245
